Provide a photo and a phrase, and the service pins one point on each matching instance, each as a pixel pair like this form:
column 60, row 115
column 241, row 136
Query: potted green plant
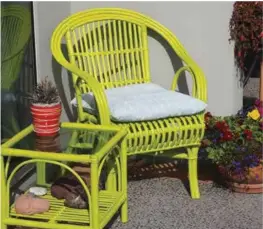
column 234, row 144
column 246, row 31
column 46, row 108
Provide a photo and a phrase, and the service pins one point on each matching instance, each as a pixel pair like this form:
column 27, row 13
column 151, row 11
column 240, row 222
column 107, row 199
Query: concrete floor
column 252, row 88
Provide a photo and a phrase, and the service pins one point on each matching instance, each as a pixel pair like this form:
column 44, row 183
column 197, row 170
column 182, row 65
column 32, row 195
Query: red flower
column 261, row 35
column 242, row 38
column 239, row 54
column 221, row 125
column 248, row 134
column 227, row 136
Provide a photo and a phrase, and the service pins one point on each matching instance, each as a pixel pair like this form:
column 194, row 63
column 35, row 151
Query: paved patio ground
column 252, row 88
column 164, row 203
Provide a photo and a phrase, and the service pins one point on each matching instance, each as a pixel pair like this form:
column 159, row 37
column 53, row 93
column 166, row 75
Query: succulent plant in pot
column 234, row 144
column 46, row 108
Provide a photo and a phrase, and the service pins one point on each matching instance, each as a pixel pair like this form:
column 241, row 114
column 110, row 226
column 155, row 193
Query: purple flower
column 236, row 163
column 257, row 102
column 260, row 110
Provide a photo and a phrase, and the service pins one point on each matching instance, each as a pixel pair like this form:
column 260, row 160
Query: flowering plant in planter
column 46, row 108
column 234, row 143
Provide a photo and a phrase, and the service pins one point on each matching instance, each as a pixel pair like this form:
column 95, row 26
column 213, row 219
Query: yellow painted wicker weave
column 108, row 48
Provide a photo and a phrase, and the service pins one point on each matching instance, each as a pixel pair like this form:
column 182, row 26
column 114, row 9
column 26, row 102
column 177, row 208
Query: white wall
column 47, row 16
column 202, row 27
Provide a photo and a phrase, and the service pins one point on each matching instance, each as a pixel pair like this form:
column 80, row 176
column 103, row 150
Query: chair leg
column 192, row 172
column 4, row 204
column 73, row 140
column 3, row 226
column 124, row 212
column 124, row 182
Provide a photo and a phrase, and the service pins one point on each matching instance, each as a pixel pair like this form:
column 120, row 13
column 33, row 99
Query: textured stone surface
column 162, row 203
column 252, row 88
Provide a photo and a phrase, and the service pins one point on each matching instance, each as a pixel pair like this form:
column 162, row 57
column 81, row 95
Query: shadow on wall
column 57, row 73
column 175, row 60
column 25, row 85
column 57, row 69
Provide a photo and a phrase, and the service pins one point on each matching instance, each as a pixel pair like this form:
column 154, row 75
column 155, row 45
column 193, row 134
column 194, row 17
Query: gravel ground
column 164, row 203
column 252, row 88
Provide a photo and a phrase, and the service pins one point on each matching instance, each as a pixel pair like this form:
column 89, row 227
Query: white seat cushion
column 144, row 102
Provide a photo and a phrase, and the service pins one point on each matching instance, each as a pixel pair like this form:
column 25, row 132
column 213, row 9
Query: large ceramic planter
column 251, row 182
column 46, row 118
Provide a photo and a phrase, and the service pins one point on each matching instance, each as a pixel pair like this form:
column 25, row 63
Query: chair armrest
column 96, row 88
column 92, row 83
column 99, row 94
column 199, row 89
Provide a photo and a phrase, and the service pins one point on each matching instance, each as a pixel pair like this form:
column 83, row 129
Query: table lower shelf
column 58, row 213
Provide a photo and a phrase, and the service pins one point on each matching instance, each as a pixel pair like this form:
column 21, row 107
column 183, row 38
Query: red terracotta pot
column 251, row 182
column 46, row 118
column 48, row 143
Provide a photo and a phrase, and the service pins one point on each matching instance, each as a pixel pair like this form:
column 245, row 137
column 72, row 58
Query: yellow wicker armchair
column 103, row 42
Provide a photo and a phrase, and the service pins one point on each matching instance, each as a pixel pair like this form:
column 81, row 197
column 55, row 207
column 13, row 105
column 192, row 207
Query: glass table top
column 87, row 139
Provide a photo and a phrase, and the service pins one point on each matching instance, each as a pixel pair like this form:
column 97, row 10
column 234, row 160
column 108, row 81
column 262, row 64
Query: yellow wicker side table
column 97, row 146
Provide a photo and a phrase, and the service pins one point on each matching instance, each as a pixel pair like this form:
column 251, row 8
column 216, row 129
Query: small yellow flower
column 254, row 114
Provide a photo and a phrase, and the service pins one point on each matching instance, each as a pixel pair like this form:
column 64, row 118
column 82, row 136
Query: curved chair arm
column 98, row 91
column 197, row 74
column 199, row 90
column 96, row 88
column 92, row 83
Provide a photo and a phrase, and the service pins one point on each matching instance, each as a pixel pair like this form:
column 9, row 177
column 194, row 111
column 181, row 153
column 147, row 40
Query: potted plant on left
column 234, row 145
column 46, row 109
